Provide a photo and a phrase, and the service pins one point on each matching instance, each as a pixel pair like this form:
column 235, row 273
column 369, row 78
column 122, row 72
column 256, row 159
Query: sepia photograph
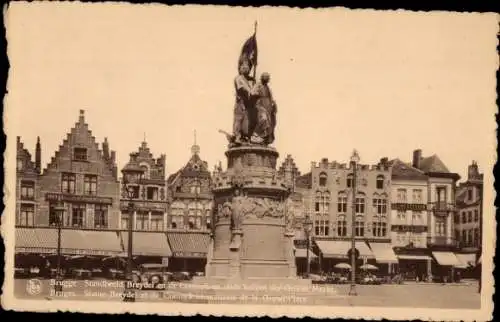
column 230, row 161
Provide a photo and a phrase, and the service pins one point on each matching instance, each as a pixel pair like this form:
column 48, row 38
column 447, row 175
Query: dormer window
column 322, row 179
column 20, row 164
column 349, row 180
column 80, row 154
column 380, row 182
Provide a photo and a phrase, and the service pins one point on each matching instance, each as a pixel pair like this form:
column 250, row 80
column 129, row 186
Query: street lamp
column 354, row 163
column 132, row 176
column 307, row 230
column 59, row 210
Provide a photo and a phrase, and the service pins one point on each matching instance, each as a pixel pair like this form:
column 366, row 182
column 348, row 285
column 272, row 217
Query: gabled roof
column 433, row 164
column 23, row 154
column 195, row 167
column 402, row 170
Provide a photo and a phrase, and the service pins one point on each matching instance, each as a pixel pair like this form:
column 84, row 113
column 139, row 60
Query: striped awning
column 30, row 240
column 383, row 253
column 446, row 259
column 73, row 242
column 466, row 260
column 339, row 248
column 147, row 243
column 189, row 244
column 90, row 242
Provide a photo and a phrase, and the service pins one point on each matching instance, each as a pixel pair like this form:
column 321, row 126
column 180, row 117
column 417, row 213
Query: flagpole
column 255, row 36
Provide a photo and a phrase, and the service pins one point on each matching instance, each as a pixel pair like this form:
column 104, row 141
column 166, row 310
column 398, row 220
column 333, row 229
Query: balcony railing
column 442, row 206
column 442, row 241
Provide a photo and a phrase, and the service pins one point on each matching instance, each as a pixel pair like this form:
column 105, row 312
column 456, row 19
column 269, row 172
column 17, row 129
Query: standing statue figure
column 266, row 110
column 244, row 111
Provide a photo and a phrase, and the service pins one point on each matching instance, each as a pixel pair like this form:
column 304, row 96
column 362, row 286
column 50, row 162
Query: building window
column 470, row 194
column 477, row 239
column 145, row 170
column 401, row 215
column 380, row 182
column 135, row 192
column 380, row 228
column 360, row 205
column 380, row 206
column 470, row 216
column 464, row 217
column 349, row 180
column 26, row 215
column 177, row 222
column 322, row 179
column 124, row 221
column 342, row 204
column 401, row 195
column 457, row 218
column 53, row 215
column 78, row 215
column 341, row 227
column 476, row 215
column 416, row 216
column 417, row 196
column 27, row 190
column 157, row 221
column 152, row 193
column 471, row 237
column 142, row 221
column 440, row 227
column 322, row 228
column 209, row 222
column 101, row 216
column 441, row 195
column 359, row 227
column 90, row 184
column 68, row 183
column 20, row 165
column 80, row 154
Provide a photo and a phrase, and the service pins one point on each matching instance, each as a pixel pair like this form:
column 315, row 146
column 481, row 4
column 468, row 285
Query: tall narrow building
column 190, row 213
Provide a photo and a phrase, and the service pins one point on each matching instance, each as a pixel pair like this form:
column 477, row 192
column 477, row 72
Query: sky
column 384, row 83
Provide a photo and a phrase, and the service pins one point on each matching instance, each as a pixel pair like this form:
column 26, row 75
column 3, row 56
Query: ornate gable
column 80, row 152
column 25, row 163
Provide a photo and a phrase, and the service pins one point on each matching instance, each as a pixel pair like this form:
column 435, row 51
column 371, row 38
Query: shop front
column 189, row 252
column 81, row 251
column 333, row 252
column 385, row 257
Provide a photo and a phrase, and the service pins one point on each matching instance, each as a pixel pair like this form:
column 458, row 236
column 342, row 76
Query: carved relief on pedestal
column 289, row 216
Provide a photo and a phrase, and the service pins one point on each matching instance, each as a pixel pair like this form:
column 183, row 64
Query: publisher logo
column 34, row 286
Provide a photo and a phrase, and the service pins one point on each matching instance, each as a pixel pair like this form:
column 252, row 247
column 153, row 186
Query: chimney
column 417, row 156
column 113, row 157
column 105, row 149
column 473, row 171
column 81, row 119
column 38, row 156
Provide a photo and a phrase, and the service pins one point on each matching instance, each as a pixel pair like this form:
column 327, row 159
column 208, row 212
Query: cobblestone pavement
column 407, row 295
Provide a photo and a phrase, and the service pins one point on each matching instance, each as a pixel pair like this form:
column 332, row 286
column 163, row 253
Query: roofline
column 449, row 175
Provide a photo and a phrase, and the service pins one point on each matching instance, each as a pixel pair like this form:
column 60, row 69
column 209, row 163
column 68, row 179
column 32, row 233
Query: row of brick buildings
column 403, row 210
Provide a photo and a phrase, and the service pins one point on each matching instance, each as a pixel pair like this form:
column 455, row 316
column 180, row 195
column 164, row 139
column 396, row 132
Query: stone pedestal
column 252, row 233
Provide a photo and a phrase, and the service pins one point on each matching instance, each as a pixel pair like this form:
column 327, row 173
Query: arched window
column 380, row 182
column 145, row 168
column 322, row 179
column 349, row 180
